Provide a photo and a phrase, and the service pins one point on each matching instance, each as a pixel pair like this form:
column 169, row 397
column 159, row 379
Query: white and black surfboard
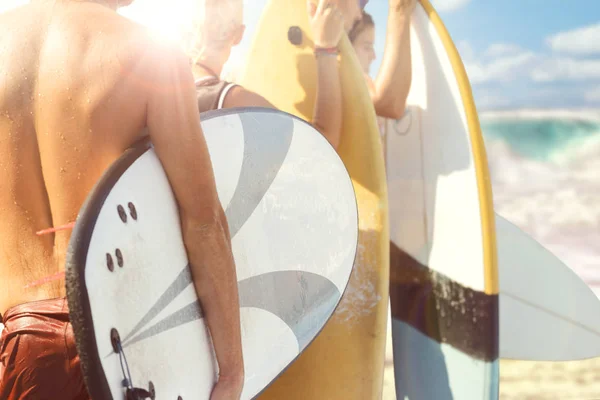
column 293, row 220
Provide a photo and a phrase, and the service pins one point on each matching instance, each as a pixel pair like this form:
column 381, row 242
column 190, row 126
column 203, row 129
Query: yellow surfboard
column 346, row 360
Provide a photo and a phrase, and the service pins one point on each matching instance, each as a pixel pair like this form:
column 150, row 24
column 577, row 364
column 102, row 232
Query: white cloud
column 582, row 41
column 490, row 101
column 566, row 69
column 449, row 5
column 502, row 49
column 499, row 62
column 500, row 69
column 503, row 62
column 592, row 95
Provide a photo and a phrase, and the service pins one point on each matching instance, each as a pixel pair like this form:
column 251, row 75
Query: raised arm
column 390, row 89
column 327, row 24
column 174, row 127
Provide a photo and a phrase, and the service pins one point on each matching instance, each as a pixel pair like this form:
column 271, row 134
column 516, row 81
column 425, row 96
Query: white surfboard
column 444, row 282
column 293, row 219
column 554, row 319
column 547, row 313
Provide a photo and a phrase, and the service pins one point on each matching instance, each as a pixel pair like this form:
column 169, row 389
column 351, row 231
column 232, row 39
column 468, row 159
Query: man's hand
column 326, row 22
column 228, row 388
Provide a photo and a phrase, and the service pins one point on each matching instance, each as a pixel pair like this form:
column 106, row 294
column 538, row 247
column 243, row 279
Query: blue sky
column 518, row 53
column 522, row 53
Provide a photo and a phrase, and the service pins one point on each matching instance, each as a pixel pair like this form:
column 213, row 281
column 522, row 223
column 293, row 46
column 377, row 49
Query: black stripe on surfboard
column 443, row 309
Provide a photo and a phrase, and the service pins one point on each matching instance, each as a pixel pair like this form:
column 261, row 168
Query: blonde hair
column 211, row 28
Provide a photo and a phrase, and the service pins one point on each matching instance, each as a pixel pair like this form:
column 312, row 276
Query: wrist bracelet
column 331, row 51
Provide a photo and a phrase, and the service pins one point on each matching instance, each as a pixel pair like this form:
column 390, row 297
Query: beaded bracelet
column 330, row 51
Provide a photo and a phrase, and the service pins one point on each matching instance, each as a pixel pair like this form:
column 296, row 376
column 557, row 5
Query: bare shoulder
column 157, row 67
column 241, row 97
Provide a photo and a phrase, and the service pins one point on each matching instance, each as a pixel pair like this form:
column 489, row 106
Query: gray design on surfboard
column 257, row 174
column 304, row 299
column 259, row 168
column 183, row 280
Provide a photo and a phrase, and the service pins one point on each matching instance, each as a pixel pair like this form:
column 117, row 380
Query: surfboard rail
column 484, row 182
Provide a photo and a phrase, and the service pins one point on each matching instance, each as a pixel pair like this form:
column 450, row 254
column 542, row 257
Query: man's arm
column 327, row 115
column 394, row 78
column 174, row 127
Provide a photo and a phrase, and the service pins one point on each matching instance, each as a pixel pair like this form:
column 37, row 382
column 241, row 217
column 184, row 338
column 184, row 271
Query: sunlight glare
column 166, row 21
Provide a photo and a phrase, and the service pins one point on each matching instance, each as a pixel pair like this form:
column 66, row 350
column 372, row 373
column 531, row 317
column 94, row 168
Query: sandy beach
column 523, row 380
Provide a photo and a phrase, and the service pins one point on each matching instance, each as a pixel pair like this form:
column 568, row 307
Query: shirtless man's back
column 68, row 111
column 78, row 84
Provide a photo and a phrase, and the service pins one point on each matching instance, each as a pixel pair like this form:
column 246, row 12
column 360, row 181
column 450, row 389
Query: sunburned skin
column 79, row 85
column 59, row 130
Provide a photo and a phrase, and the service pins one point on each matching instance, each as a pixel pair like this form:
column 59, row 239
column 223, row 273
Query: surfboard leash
column 132, row 393
column 65, row 227
column 50, row 278
column 59, row 275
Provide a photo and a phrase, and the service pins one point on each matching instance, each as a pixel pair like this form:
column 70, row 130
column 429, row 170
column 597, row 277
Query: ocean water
column 545, row 169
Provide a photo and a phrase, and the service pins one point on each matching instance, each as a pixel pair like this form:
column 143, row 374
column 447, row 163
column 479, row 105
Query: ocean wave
column 551, row 191
column 589, row 114
column 542, row 139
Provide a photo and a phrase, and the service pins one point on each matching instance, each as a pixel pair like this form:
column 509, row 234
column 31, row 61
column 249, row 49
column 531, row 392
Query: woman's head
column 218, row 26
column 362, row 36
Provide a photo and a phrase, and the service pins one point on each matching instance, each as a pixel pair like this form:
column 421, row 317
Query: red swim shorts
column 38, row 358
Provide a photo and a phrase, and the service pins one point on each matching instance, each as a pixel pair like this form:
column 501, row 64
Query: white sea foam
column 590, row 114
column 556, row 200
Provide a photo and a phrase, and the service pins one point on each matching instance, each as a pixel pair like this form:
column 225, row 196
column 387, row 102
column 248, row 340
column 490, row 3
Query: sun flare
column 166, row 21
